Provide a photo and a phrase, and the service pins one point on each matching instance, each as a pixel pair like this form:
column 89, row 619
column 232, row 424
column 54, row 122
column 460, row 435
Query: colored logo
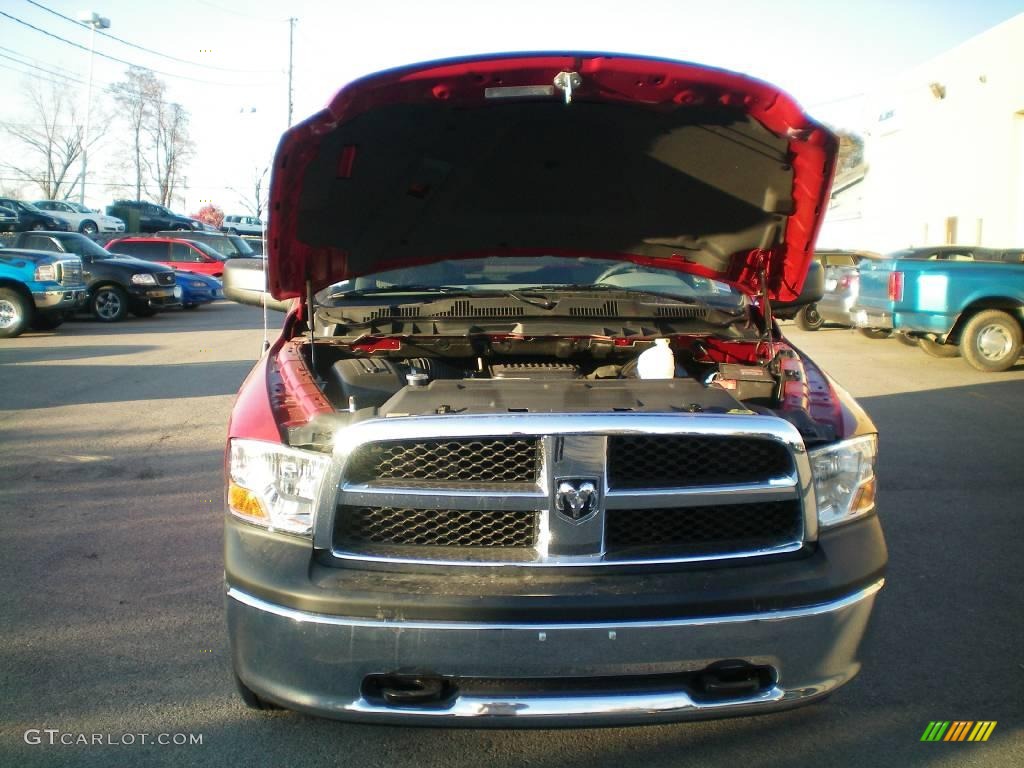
column 958, row 730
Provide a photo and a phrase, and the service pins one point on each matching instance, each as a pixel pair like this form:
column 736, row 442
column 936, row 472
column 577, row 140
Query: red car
column 531, row 448
column 172, row 251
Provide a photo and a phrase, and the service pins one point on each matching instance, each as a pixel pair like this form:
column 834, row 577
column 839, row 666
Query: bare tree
column 171, row 147
column 255, row 199
column 137, row 96
column 52, row 139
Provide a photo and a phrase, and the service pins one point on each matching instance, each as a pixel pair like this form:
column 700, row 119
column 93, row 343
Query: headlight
column 197, row 283
column 46, row 273
column 844, row 479
column 143, row 279
column 274, row 486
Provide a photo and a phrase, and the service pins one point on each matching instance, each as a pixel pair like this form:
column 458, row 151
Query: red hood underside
column 653, row 161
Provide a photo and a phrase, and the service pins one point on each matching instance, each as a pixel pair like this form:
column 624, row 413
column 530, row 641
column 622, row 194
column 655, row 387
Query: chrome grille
column 697, row 530
column 426, row 490
column 474, row 461
column 684, row 461
column 402, row 527
column 70, row 272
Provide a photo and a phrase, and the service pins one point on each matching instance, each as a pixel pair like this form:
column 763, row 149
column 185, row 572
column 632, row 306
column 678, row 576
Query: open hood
column 629, row 158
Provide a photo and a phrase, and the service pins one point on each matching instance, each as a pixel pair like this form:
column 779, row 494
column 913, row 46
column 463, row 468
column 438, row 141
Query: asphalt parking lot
column 111, row 441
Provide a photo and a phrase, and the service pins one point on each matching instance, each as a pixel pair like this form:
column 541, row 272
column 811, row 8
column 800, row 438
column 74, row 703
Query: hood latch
column 567, row 82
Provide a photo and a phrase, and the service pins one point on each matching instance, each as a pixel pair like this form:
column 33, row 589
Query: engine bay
column 437, row 376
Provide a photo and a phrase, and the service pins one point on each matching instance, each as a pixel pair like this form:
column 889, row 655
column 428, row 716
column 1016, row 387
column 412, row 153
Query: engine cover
column 555, row 396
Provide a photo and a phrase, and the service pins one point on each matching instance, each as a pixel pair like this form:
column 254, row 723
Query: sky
column 227, row 61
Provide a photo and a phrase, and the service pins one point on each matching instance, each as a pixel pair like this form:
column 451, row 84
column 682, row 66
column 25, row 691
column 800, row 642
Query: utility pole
column 291, row 50
column 94, row 21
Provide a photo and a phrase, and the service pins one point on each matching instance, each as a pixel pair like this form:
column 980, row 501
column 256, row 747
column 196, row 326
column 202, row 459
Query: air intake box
column 370, row 380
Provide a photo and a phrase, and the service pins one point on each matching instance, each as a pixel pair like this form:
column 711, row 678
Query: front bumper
column 59, row 299
column 160, row 297
column 317, row 663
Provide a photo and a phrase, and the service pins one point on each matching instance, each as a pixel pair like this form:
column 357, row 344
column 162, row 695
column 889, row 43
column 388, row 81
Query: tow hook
column 413, row 690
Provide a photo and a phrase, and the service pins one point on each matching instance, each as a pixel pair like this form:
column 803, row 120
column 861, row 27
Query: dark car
column 841, row 284
column 230, row 246
column 116, row 285
column 8, row 218
column 30, row 217
column 152, row 217
column 174, row 252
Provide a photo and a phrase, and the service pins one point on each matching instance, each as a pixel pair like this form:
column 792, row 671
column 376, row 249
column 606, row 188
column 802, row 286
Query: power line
column 123, row 61
column 30, row 74
column 150, row 50
column 36, row 66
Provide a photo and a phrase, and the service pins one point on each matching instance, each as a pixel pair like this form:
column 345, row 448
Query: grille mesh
column 682, row 461
column 465, row 460
column 395, row 526
column 696, row 530
column 70, row 273
column 165, row 278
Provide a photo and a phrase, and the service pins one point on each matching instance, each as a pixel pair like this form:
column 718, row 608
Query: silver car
column 842, row 283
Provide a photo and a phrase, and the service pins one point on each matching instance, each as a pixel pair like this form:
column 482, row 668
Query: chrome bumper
column 61, row 299
column 317, row 663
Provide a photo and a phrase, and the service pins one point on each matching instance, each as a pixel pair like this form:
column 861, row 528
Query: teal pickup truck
column 37, row 290
column 974, row 308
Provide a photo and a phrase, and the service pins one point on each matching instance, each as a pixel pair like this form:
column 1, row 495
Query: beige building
column 945, row 153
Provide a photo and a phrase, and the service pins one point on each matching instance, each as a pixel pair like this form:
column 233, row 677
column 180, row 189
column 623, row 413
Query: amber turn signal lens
column 244, row 503
column 864, row 501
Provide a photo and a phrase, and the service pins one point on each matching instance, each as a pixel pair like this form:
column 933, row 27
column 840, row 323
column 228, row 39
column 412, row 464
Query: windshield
column 78, row 207
column 16, row 204
column 241, row 246
column 212, row 253
column 548, row 274
column 83, row 246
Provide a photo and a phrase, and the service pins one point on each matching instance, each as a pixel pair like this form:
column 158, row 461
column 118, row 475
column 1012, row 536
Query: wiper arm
column 607, row 287
column 396, row 289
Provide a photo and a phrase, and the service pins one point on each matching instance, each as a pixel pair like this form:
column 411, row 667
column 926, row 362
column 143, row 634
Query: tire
column 190, row 306
column 180, row 228
column 910, row 341
column 88, row 228
column 875, row 333
column 15, row 313
column 251, row 700
column 991, row 341
column 108, row 304
column 935, row 349
column 808, row 318
column 144, row 311
column 47, row 322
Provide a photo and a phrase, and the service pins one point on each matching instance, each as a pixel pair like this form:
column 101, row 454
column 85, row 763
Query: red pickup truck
column 530, row 448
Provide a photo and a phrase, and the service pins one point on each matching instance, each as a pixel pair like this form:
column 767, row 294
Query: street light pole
column 94, row 21
column 291, row 48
